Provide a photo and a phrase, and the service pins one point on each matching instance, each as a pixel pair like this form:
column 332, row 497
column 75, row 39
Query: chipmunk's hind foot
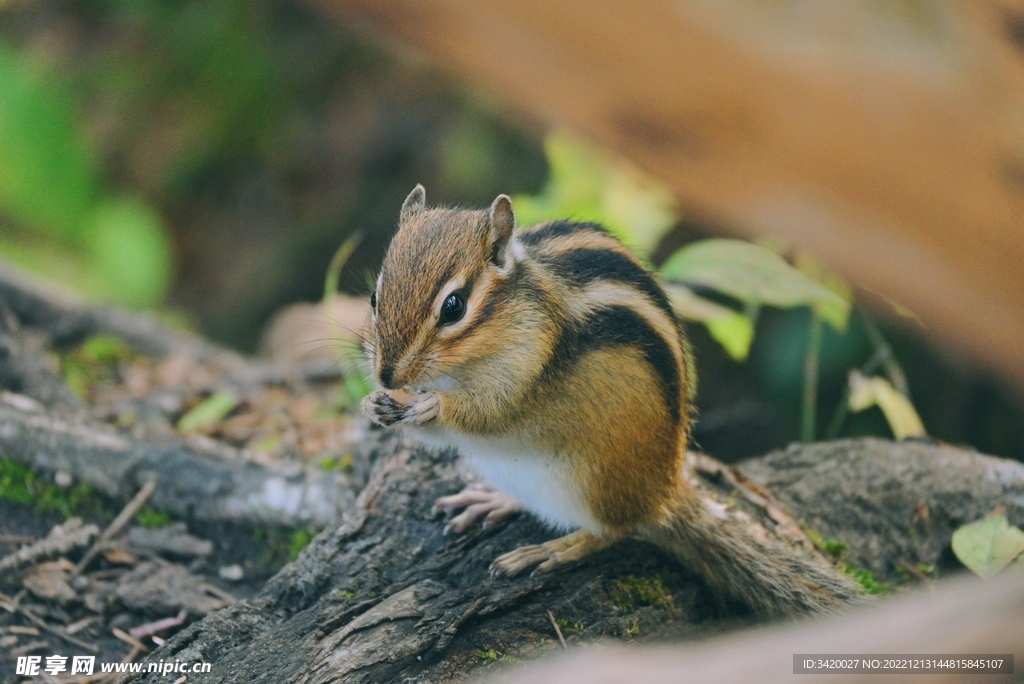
column 549, row 555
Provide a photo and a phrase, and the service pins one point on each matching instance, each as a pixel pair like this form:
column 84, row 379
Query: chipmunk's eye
column 453, row 309
column 373, row 301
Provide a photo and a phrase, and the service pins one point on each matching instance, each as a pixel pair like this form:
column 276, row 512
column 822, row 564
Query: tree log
column 388, row 597
column 189, row 486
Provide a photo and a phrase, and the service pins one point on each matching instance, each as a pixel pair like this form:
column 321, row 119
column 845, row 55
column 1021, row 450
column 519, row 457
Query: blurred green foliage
column 207, row 154
column 587, row 185
column 208, row 412
column 54, row 203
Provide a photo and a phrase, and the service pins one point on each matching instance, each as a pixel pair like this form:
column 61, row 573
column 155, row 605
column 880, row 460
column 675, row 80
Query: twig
column 120, row 521
column 558, row 630
column 892, row 367
column 59, row 633
column 12, row 539
column 220, row 593
column 151, row 628
column 809, row 415
column 129, row 639
column 80, row 625
column 28, row 648
column 883, row 356
column 132, row 654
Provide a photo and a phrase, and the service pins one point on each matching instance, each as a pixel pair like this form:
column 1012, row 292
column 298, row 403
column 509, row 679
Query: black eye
column 373, row 301
column 453, row 309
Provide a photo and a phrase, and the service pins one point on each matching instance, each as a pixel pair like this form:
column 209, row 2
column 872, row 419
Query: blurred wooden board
column 962, row 616
column 886, row 137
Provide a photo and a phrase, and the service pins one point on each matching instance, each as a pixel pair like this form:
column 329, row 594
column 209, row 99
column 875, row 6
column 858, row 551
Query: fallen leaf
column 899, row 412
column 988, row 545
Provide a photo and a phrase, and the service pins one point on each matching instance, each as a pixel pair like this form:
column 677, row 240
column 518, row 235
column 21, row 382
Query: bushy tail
column 743, row 562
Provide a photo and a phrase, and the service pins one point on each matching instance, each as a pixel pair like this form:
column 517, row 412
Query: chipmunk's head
column 442, row 293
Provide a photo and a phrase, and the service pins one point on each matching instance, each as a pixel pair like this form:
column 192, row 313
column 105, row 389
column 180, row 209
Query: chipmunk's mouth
column 441, row 384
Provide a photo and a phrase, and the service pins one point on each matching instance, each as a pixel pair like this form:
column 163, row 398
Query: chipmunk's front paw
column 479, row 502
column 383, row 409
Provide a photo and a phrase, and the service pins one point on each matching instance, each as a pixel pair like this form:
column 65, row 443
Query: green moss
column 94, row 360
column 339, row 595
column 568, row 628
column 344, row 463
column 105, row 349
column 866, row 579
column 838, row 550
column 834, row 547
column 630, row 591
column 283, row 546
column 19, row 484
column 487, row 656
column 152, row 518
column 299, row 540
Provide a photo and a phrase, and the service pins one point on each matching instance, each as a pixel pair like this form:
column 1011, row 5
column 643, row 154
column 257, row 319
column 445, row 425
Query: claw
column 547, row 556
column 477, row 502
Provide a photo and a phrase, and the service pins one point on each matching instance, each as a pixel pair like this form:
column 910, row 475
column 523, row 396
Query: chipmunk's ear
column 413, row 204
column 502, row 222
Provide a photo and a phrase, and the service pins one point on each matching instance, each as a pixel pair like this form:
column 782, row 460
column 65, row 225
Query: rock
column 165, row 589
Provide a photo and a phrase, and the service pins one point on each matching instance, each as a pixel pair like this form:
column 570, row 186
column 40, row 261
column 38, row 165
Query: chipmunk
column 552, row 359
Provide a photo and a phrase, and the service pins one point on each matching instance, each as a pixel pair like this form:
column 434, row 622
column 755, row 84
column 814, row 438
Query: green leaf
column 47, row 177
column 207, row 412
column 835, row 313
column 986, row 546
column 735, row 333
column 131, row 252
column 749, row 273
column 637, row 208
column 899, row 412
column 587, row 185
column 732, row 329
column 692, row 306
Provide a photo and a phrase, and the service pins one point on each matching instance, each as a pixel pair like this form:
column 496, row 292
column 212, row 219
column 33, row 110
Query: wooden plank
column 888, row 138
column 962, row 616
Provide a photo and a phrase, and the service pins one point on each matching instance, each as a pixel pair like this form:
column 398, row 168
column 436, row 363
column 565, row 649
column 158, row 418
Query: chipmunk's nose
column 387, row 376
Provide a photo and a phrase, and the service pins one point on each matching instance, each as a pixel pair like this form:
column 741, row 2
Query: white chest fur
column 537, row 480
